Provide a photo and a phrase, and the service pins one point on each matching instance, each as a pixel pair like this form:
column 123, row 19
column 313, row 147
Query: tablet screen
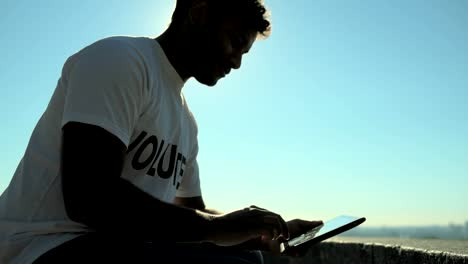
column 329, row 228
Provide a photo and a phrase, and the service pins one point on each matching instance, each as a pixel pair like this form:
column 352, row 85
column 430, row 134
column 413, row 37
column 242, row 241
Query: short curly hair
column 253, row 12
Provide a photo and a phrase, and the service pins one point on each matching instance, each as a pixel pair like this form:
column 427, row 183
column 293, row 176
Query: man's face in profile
column 221, row 46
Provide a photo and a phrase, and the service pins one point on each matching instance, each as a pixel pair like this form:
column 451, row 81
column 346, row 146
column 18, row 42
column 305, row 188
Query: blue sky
column 355, row 107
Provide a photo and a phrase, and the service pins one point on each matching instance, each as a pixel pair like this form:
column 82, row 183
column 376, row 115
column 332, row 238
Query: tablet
column 328, row 229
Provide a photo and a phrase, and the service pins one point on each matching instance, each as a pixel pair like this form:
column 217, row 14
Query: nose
column 236, row 60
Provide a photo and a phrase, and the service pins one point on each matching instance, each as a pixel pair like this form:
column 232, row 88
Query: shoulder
column 115, row 47
column 118, row 51
column 115, row 57
column 116, row 43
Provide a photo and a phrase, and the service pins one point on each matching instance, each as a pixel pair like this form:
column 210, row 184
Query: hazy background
column 350, row 107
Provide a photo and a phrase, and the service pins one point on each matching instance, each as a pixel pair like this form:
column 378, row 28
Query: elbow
column 82, row 205
column 76, row 209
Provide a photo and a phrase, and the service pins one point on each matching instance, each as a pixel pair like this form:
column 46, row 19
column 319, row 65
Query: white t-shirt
column 127, row 86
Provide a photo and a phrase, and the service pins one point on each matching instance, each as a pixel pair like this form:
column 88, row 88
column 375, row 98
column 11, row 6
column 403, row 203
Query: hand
column 297, row 227
column 242, row 225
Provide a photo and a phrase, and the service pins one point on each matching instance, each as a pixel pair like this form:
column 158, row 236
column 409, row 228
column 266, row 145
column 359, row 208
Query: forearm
column 96, row 195
column 128, row 211
column 195, row 203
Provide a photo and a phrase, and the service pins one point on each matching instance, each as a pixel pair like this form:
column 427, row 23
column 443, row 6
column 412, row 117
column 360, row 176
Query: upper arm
column 104, row 95
column 191, row 202
column 91, row 164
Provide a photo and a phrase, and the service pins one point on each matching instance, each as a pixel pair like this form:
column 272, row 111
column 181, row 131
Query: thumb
column 312, row 224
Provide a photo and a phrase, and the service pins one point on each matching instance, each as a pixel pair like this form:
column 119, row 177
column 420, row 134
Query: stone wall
column 370, row 253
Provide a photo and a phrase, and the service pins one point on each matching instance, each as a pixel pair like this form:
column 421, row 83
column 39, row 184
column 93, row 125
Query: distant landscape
column 451, row 231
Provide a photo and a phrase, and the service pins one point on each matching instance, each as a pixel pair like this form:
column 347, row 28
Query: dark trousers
column 97, row 248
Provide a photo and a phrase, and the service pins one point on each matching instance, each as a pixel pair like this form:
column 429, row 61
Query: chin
column 209, row 81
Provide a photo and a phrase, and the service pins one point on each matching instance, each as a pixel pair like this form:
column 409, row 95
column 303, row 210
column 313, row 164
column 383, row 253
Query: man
column 110, row 172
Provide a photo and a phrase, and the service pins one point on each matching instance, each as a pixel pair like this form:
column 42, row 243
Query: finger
column 284, row 227
column 267, row 234
column 275, row 219
column 279, row 228
column 301, row 226
column 275, row 225
column 274, row 247
column 259, row 208
column 282, row 239
column 313, row 224
column 275, row 233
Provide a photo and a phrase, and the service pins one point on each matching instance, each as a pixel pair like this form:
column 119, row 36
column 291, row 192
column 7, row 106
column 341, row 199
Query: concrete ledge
column 370, row 253
column 345, row 252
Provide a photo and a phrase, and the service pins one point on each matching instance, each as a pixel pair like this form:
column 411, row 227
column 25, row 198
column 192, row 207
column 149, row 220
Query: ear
column 198, row 13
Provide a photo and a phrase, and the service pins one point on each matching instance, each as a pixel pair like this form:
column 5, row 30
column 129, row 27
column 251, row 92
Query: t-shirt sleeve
column 105, row 87
column 190, row 185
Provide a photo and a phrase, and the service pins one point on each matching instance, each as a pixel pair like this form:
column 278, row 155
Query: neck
column 172, row 43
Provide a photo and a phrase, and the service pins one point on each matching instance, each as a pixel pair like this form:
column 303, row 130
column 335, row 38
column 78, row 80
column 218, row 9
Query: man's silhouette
column 110, row 173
